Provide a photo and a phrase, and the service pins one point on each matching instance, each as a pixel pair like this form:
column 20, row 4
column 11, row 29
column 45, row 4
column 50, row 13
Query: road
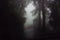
column 29, row 32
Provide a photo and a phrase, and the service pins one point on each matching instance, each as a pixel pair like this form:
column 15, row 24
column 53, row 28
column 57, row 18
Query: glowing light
column 30, row 7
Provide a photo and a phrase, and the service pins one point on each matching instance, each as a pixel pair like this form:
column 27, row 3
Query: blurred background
column 29, row 19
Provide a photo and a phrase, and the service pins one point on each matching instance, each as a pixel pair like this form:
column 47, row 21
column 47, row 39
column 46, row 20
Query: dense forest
column 43, row 18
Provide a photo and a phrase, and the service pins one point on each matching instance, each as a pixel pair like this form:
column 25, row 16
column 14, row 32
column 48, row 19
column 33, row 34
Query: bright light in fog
column 30, row 7
column 29, row 18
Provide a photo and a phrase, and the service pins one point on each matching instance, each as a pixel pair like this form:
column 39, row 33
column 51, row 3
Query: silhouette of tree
column 55, row 14
column 12, row 19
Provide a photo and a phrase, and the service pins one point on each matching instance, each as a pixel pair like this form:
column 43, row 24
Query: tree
column 55, row 14
column 12, row 20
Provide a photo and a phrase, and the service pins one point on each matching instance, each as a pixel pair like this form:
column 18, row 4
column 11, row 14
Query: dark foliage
column 55, row 15
column 11, row 27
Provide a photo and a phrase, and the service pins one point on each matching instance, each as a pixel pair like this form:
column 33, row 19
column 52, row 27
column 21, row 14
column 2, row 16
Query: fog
column 29, row 16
